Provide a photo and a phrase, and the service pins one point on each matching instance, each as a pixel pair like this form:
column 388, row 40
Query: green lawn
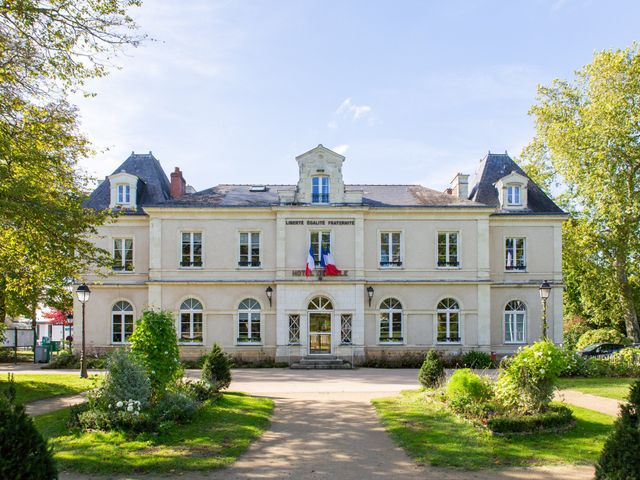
column 31, row 387
column 430, row 434
column 219, row 433
column 617, row 388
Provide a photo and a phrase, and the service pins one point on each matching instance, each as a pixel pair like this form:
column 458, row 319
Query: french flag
column 329, row 263
column 311, row 264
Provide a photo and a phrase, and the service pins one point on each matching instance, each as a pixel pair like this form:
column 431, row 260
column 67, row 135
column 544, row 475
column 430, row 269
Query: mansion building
column 416, row 268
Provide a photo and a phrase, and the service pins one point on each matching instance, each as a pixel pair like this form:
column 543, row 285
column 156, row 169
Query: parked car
column 600, row 349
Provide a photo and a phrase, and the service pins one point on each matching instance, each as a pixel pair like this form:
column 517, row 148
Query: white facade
column 443, row 270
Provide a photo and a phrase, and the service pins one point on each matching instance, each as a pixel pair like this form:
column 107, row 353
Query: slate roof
column 373, row 195
column 153, row 184
column 495, row 166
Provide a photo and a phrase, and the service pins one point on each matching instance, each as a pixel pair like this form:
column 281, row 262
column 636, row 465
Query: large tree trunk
column 626, row 298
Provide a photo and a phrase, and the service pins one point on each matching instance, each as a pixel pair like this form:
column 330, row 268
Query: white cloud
column 356, row 112
column 341, row 149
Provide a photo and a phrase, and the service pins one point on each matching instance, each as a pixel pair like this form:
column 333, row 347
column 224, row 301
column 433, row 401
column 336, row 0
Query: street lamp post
column 83, row 292
column 544, row 290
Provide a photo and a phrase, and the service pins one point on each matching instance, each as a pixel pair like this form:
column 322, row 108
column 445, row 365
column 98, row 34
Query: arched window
column 391, row 321
column 448, row 321
column 121, row 322
column 249, row 321
column 191, row 321
column 320, row 303
column 515, row 322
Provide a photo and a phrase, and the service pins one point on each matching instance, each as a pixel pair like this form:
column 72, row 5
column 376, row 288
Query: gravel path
column 609, row 406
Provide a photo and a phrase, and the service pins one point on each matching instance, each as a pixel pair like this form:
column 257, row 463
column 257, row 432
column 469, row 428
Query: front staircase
column 329, row 362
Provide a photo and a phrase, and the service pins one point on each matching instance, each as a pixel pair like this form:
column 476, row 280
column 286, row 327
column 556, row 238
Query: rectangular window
column 320, row 189
column 345, row 328
column 390, row 255
column 514, row 327
column 294, row 329
column 513, row 195
column 249, row 326
column 391, row 326
column 448, row 249
column 249, row 249
column 191, row 249
column 515, row 258
column 448, row 327
column 122, row 255
column 124, row 194
column 320, row 241
column 122, row 327
column 191, row 327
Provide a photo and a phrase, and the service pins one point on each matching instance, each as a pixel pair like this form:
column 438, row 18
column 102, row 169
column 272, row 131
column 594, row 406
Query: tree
column 47, row 49
column 588, row 138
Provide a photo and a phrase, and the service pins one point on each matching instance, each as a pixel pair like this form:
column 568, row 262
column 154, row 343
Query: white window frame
column 512, row 314
column 191, row 312
column 323, row 233
column 391, row 263
column 249, row 311
column 448, row 312
column 514, row 250
column 123, row 262
column 296, row 317
column 391, row 311
column 122, row 314
column 346, row 329
column 123, row 194
column 250, row 245
column 191, row 234
column 514, row 194
column 323, row 181
column 448, row 253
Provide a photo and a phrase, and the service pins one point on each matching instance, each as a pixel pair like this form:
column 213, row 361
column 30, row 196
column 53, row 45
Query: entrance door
column 319, row 333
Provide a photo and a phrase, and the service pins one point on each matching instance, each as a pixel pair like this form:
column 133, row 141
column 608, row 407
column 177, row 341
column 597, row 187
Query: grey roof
column 373, row 195
column 153, row 184
column 495, row 166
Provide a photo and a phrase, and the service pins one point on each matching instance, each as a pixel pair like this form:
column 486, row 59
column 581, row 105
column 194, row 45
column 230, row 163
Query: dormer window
column 513, row 195
column 124, row 194
column 320, row 189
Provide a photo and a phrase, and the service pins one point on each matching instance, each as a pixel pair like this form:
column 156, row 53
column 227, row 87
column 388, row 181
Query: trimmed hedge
column 556, row 417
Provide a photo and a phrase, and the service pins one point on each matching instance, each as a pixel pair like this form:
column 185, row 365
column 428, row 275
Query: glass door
column 319, row 333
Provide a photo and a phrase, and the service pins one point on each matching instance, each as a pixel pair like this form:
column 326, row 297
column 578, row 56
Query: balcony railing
column 249, row 340
column 520, row 266
column 445, row 339
column 319, row 198
column 453, row 263
column 390, row 339
column 117, row 267
column 191, row 264
column 391, row 264
column 254, row 263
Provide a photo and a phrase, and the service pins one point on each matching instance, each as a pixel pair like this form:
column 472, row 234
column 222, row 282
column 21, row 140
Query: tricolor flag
column 329, row 263
column 311, row 265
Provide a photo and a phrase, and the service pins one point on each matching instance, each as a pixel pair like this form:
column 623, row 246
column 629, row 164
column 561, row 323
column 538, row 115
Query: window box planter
column 190, row 264
column 249, row 264
column 390, row 264
column 391, row 339
column 249, row 340
column 449, row 339
column 448, row 264
column 516, row 268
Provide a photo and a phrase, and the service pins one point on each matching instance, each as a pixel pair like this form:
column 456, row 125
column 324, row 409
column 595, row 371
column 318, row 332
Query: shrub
column 476, row 359
column 625, row 363
column 126, row 379
column 527, row 380
column 116, row 418
column 557, row 417
column 620, row 457
column 155, row 343
column 217, row 369
column 24, row 454
column 574, row 327
column 199, row 391
column 601, row 335
column 466, row 387
column 432, row 371
column 175, row 407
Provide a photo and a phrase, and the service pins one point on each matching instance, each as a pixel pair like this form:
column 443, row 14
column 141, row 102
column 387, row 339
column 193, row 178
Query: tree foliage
column 588, row 138
column 47, row 49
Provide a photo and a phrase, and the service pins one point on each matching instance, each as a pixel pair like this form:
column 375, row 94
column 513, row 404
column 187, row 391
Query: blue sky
column 408, row 91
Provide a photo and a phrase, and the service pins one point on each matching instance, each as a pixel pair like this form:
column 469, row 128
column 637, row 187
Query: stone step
column 321, row 361
column 318, row 363
column 298, row 366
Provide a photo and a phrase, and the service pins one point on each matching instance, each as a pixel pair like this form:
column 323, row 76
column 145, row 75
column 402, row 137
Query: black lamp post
column 545, row 291
column 83, row 292
column 370, row 293
column 269, row 292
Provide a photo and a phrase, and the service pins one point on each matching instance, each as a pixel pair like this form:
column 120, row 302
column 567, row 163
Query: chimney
column 178, row 184
column 460, row 186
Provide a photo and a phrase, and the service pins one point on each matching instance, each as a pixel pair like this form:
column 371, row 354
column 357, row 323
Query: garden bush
column 117, row 417
column 620, row 457
column 126, row 379
column 24, row 453
column 216, row 369
column 466, row 387
column 601, row 335
column 556, row 417
column 625, row 363
column 175, row 407
column 476, row 359
column 574, row 327
column 432, row 371
column 527, row 380
column 154, row 343
column 199, row 390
